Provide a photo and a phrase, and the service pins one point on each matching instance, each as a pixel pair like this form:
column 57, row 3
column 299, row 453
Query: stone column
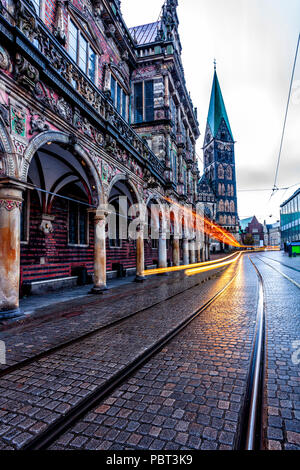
column 192, row 252
column 99, row 253
column 176, row 252
column 162, row 250
column 199, row 260
column 186, row 258
column 10, row 210
column 140, row 259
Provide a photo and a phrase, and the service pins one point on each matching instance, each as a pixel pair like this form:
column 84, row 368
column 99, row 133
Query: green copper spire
column 217, row 110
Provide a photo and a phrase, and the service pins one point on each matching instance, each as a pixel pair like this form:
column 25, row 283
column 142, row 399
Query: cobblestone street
column 190, row 395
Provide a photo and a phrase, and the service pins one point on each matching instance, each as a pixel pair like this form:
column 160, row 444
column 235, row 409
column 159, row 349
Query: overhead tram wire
column 267, row 189
column 64, row 197
column 285, row 119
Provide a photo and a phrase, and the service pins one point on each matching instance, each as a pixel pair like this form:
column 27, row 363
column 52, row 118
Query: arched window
column 221, row 206
column 223, row 190
column 232, row 206
column 221, row 172
column 233, row 220
column 229, row 173
column 226, row 206
column 221, row 219
column 220, row 189
column 224, row 220
column 229, row 220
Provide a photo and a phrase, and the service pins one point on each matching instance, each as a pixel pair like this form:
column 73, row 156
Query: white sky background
column 254, row 43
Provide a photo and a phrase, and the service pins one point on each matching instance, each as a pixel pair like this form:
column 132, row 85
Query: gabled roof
column 217, row 110
column 146, row 33
column 245, row 222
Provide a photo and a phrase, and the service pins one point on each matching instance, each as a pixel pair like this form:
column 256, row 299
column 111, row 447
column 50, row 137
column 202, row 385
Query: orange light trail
column 209, row 227
column 151, row 272
column 193, row 271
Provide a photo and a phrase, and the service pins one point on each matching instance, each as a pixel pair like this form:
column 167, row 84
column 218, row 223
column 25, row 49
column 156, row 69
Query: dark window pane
column 138, row 102
column 113, row 89
column 124, row 104
column 149, row 101
column 72, row 223
column 82, row 226
column 92, row 65
column 119, row 98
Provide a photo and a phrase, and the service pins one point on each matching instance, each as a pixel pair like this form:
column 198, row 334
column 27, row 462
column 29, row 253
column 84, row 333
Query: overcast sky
column 254, row 43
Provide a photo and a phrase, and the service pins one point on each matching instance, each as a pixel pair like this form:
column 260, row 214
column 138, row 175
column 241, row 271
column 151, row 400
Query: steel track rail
column 284, row 275
column 282, row 264
column 73, row 341
column 45, row 439
column 251, row 423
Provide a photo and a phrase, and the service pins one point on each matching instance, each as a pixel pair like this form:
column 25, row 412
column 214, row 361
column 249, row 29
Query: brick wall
column 59, row 257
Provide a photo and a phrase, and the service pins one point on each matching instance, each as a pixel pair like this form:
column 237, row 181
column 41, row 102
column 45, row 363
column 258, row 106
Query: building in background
column 252, row 232
column 273, row 234
column 290, row 223
column 219, row 163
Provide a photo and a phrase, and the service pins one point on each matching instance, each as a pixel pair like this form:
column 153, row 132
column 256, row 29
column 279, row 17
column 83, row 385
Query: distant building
column 272, row 234
column 290, row 220
column 252, row 227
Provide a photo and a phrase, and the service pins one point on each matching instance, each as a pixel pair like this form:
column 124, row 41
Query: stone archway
column 66, row 190
column 122, row 177
column 126, row 226
column 68, row 140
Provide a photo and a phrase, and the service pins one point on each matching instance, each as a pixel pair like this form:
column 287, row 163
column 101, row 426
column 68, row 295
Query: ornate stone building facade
column 89, row 111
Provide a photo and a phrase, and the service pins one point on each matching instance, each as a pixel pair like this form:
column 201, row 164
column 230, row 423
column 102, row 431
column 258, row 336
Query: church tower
column 219, row 160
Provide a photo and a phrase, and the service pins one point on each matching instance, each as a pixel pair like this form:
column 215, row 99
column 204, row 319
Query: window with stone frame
column 81, row 51
column 184, row 173
column 173, row 110
column 229, row 172
column 174, row 165
column 77, row 224
column 220, row 172
column 143, row 101
column 119, row 97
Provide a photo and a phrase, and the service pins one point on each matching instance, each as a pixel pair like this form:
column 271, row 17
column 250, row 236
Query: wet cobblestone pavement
column 190, row 395
column 39, row 394
column 282, row 389
column 65, row 321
